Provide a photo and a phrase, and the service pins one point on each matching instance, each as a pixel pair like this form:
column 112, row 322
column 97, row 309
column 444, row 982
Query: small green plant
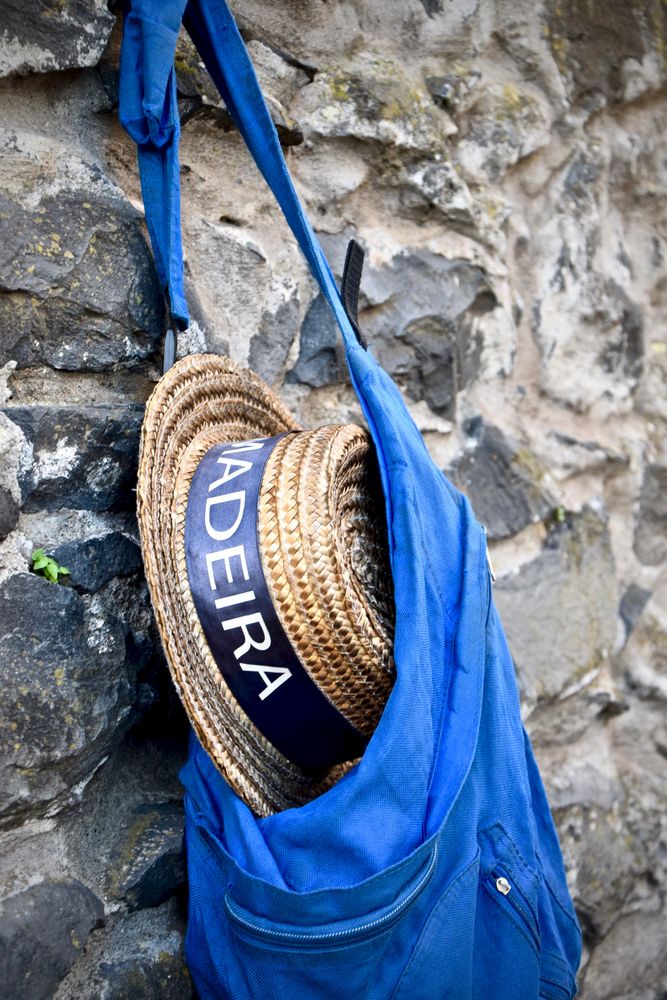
column 560, row 514
column 46, row 566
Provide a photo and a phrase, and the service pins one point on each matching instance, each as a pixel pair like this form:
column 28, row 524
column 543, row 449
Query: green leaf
column 47, row 567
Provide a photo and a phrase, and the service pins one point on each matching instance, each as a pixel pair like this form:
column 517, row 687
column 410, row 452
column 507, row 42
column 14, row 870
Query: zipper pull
column 502, row 885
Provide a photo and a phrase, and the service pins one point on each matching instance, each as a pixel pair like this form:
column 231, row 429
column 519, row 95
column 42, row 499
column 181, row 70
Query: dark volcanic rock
column 270, row 345
column 140, row 957
column 651, row 528
column 502, row 481
column 149, row 865
column 92, row 562
column 66, row 691
column 128, row 600
column 42, row 35
column 167, row 978
column 42, row 931
column 9, row 513
column 78, row 288
column 321, row 354
column 421, row 328
column 84, row 458
column 633, row 602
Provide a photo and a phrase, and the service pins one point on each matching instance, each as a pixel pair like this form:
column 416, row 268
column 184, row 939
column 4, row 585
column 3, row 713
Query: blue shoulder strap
column 149, row 112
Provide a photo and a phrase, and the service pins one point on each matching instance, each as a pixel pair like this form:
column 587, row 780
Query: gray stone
column 450, row 90
column 568, row 456
column 83, row 457
column 582, row 174
column 127, row 599
column 78, row 289
column 148, row 867
column 9, row 512
column 138, row 791
column 644, row 658
column 60, row 34
column 624, row 353
column 632, row 604
column 270, row 345
column 321, row 359
column 561, row 722
column 141, row 979
column 607, row 867
column 432, row 7
column 651, row 529
column 505, row 125
column 198, row 96
column 592, row 42
column 67, row 693
column 372, row 98
column 93, row 562
column 559, row 610
column 589, row 330
column 139, row 957
column 503, row 481
column 42, row 931
column 422, row 325
column 631, row 962
column 439, row 185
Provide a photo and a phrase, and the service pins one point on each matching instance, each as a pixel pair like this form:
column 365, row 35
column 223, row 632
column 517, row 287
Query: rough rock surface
column 42, row 930
column 68, row 691
column 78, row 286
column 37, row 36
column 573, row 580
column 504, row 167
column 504, row 483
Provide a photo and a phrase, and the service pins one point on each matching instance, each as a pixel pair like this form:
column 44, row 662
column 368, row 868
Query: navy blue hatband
column 242, row 628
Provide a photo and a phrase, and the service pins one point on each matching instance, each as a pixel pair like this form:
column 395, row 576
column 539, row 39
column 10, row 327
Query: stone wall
column 505, row 166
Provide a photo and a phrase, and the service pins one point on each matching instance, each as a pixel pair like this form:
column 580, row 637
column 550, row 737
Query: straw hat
column 275, row 607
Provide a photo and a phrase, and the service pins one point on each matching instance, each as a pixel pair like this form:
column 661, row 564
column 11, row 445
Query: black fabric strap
column 172, row 327
column 349, row 287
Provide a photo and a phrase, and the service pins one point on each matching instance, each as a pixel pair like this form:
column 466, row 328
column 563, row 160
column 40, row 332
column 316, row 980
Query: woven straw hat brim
column 206, row 400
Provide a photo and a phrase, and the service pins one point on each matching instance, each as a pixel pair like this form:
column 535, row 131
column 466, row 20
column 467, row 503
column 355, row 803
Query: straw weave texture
column 322, row 540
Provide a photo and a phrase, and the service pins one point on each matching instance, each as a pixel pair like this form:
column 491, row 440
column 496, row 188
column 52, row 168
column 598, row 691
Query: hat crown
column 322, row 542
column 322, row 531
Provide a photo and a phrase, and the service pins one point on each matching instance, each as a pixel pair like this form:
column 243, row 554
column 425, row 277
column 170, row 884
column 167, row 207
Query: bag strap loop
column 149, row 113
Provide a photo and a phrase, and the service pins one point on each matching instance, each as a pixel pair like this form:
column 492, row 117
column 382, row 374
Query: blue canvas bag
column 432, row 869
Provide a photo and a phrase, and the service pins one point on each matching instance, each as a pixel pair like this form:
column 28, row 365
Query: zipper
column 366, row 930
column 503, row 886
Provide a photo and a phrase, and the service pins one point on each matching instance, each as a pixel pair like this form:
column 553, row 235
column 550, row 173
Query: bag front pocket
column 518, row 951
column 325, row 944
column 501, row 883
column 334, row 934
